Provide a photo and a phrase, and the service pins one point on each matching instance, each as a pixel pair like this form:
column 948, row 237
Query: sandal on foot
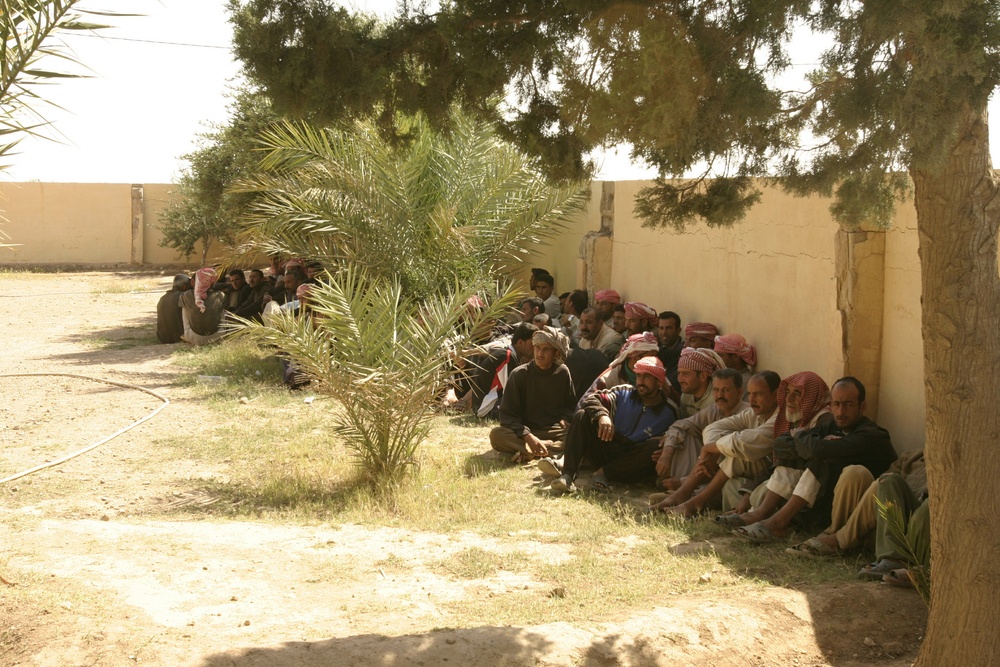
column 757, row 533
column 731, row 520
column 599, row 483
column 813, row 548
column 876, row 571
column 899, row 578
column 549, row 467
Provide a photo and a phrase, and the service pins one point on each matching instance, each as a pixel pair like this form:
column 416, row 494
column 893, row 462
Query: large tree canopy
column 896, row 106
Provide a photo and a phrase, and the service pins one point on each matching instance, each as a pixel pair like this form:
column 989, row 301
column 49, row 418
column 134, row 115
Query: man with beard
column 682, row 443
column 639, row 318
column 736, row 446
column 820, row 455
column 618, row 428
column 596, row 335
column 605, row 301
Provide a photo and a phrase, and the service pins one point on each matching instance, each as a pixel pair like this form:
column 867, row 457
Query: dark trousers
column 621, row 459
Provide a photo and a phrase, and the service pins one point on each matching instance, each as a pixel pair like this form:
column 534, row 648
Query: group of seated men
column 195, row 308
column 693, row 417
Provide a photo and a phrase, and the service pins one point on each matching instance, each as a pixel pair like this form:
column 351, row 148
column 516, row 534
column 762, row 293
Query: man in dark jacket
column 822, row 453
column 538, row 401
column 169, row 325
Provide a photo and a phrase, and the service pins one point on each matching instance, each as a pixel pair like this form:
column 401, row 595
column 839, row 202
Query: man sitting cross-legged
column 682, row 443
column 538, row 401
column 617, row 429
column 820, row 455
column 736, row 446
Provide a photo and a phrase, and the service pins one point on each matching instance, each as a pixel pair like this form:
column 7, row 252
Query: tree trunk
column 957, row 217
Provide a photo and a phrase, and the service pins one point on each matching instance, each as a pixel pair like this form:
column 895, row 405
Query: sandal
column 813, row 548
column 876, row 571
column 599, row 483
column 757, row 533
column 899, row 578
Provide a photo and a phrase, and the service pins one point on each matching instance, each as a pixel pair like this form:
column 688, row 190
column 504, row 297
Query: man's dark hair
column 772, row 379
column 523, row 331
column 539, row 272
column 536, row 302
column 237, row 272
column 850, row 379
column 545, row 278
column 670, row 315
column 579, row 300
column 619, row 308
column 297, row 273
column 258, row 272
column 729, row 374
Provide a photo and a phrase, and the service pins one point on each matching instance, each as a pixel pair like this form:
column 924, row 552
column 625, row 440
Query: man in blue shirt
column 618, row 428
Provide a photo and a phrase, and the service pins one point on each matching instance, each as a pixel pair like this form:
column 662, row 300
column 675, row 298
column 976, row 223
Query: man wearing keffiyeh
column 202, row 309
column 737, row 353
column 819, row 455
column 538, row 401
column 639, row 318
column 605, row 301
column 701, row 334
column 617, row 429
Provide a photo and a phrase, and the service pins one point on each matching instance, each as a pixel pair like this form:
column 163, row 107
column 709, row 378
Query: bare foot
column 686, row 510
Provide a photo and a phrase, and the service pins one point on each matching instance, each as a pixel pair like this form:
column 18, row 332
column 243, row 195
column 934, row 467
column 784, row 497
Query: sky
column 156, row 81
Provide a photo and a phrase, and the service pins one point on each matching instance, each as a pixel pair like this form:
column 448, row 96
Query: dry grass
column 287, row 465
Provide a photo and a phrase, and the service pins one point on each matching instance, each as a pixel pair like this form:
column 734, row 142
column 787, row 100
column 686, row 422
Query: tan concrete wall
column 771, row 278
column 902, row 401
column 561, row 254
column 66, row 223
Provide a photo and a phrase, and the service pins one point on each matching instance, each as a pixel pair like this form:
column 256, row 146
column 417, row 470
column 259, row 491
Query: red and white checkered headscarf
column 815, row 397
column 637, row 345
column 640, row 311
column 652, row 366
column 203, row 280
column 608, row 295
column 700, row 359
column 701, row 330
column 738, row 345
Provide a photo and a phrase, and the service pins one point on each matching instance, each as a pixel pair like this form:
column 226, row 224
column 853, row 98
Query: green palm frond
column 381, row 354
column 442, row 208
column 920, row 574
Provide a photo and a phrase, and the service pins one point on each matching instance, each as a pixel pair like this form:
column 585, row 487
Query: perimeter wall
column 807, row 294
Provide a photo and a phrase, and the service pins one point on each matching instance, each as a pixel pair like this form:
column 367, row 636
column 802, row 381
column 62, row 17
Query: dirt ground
column 105, row 574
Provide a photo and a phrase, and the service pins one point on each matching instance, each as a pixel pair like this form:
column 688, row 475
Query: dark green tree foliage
column 202, row 209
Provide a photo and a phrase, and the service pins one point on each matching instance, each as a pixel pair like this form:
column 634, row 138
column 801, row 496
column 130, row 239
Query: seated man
column 531, row 307
column 538, row 401
column 694, row 375
column 855, row 514
column 681, row 445
column 605, row 301
column 621, row 369
column 639, row 318
column 803, row 403
column 254, row 305
column 668, row 332
column 576, row 303
column 201, row 309
column 736, row 446
column 544, row 285
column 595, row 335
column 617, row 429
column 700, row 334
column 821, row 454
column 237, row 292
column 737, row 353
column 491, row 370
column 169, row 324
column 618, row 320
